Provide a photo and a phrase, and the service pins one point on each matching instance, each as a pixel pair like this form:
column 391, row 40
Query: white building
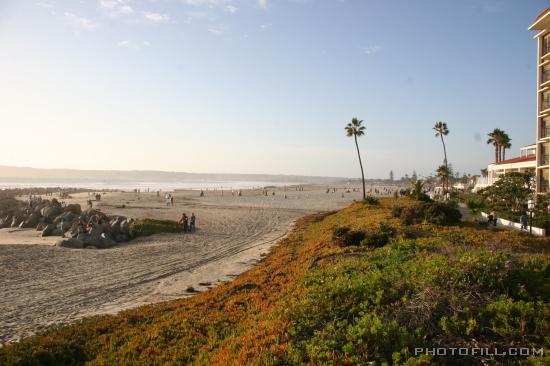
column 525, row 162
column 542, row 25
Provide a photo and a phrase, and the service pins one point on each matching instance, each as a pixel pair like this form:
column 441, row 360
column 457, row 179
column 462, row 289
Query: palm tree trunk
column 503, row 153
column 496, row 153
column 445, row 161
column 361, row 165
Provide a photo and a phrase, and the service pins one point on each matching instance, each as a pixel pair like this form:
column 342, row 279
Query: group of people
column 34, row 201
column 188, row 222
column 169, row 199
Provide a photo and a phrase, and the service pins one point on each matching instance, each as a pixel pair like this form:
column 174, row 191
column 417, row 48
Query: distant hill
column 13, row 173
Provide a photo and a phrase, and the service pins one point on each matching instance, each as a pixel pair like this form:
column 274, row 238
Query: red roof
column 519, row 159
column 543, row 13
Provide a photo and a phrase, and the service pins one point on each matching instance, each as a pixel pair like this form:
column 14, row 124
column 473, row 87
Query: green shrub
column 146, row 227
column 344, row 236
column 339, row 231
column 432, row 212
column 379, row 237
column 371, row 200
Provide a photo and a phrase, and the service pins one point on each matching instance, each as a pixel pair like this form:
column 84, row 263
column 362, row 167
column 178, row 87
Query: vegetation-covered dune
column 344, row 288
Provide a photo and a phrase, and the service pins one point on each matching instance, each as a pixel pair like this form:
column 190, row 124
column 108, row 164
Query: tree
column 414, row 175
column 441, row 130
column 391, row 175
column 353, row 129
column 484, row 172
column 496, row 138
column 505, row 144
column 510, row 193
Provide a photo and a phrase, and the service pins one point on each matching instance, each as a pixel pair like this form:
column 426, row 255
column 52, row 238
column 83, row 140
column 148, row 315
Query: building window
column 544, row 128
column 545, row 101
column 545, row 74
column 545, row 45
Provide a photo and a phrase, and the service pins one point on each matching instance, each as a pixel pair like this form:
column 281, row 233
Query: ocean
column 143, row 186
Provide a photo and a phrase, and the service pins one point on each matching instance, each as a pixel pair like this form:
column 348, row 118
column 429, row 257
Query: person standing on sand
column 192, row 222
column 184, row 221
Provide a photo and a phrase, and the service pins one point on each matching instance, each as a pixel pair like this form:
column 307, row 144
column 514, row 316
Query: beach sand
column 42, row 284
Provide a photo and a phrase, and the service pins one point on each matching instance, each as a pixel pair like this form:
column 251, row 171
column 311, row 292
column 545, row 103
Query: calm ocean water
column 141, row 185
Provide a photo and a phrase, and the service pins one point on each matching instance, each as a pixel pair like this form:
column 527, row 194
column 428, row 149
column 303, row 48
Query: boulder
column 32, row 220
column 48, row 230
column 5, row 222
column 74, row 208
column 121, row 238
column 15, row 221
column 70, row 243
column 50, row 211
column 106, row 242
column 68, row 217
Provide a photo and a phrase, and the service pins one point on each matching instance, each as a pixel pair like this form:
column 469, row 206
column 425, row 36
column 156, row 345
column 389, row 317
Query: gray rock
column 5, row 222
column 68, row 217
column 50, row 211
column 48, row 230
column 15, row 221
column 74, row 209
column 32, row 220
column 70, row 243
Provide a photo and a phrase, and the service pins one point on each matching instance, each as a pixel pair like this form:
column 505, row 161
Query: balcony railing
column 543, row 186
column 545, row 47
column 545, row 104
column 545, row 160
column 545, row 76
column 544, row 132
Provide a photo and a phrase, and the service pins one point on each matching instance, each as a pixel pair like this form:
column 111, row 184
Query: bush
column 380, row 237
column 339, row 232
column 146, row 227
column 432, row 212
column 344, row 236
column 370, row 200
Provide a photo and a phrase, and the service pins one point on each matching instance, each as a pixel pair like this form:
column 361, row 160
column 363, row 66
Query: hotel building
column 542, row 25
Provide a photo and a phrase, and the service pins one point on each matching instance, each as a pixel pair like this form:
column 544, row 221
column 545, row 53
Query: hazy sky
column 263, row 86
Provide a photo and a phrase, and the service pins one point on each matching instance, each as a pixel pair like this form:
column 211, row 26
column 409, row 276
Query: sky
column 264, row 86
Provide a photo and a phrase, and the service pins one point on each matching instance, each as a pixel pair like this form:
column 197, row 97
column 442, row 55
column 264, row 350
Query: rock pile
column 90, row 228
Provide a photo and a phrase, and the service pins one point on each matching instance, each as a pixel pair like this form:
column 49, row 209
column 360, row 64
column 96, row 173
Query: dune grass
column 312, row 301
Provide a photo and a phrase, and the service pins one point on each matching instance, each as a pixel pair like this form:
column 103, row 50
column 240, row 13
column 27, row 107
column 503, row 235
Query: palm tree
column 443, row 172
column 506, row 143
column 355, row 128
column 495, row 138
column 441, row 130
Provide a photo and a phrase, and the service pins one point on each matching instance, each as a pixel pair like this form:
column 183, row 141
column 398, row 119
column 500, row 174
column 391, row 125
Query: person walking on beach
column 184, row 221
column 192, row 222
column 171, row 200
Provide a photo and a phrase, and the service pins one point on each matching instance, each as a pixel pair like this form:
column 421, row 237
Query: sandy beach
column 43, row 284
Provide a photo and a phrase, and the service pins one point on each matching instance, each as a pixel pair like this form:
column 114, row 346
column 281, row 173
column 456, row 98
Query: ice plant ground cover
column 318, row 299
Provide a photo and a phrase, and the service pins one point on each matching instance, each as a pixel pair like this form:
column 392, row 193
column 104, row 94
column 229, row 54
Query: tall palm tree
column 506, row 144
column 441, row 130
column 355, row 128
column 495, row 138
